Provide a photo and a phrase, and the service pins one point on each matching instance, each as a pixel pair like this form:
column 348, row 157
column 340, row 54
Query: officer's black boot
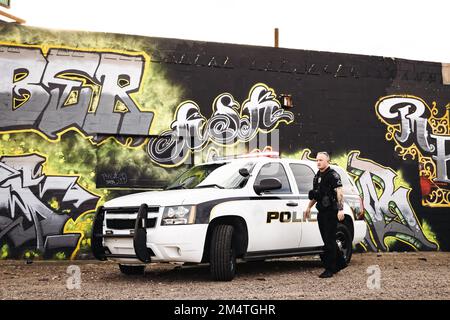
column 326, row 274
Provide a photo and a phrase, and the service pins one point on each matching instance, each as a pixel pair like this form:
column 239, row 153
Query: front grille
column 121, row 224
column 129, row 210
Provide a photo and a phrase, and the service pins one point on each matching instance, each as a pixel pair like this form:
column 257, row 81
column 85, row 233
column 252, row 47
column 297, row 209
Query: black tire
column 131, row 270
column 222, row 254
column 344, row 242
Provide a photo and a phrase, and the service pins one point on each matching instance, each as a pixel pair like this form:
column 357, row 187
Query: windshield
column 219, row 175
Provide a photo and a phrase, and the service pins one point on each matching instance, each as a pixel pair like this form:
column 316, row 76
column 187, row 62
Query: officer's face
column 322, row 161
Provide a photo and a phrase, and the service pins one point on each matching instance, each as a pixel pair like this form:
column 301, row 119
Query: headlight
column 178, row 215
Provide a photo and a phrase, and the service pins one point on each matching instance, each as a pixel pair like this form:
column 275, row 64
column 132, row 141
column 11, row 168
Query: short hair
column 325, row 154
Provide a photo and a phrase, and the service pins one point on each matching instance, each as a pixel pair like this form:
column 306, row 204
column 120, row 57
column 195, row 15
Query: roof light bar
column 267, row 152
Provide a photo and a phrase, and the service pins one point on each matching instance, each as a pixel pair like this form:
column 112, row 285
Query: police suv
column 247, row 208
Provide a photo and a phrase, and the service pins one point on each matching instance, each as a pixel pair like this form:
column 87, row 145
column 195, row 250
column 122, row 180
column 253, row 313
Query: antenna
column 7, row 4
column 276, row 37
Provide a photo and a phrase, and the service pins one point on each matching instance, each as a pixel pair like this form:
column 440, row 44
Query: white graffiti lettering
column 388, row 211
column 229, row 124
column 26, row 211
column 71, row 89
column 412, row 116
column 410, row 113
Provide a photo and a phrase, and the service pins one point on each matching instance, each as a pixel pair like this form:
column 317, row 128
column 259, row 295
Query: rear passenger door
column 304, row 176
column 272, row 227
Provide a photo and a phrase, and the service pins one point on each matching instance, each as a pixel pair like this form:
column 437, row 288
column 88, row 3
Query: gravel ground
column 418, row 275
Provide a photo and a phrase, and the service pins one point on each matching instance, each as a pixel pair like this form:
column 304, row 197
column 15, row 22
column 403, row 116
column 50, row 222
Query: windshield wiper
column 178, row 186
column 209, row 186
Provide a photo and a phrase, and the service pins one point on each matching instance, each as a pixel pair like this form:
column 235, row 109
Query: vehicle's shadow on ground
column 200, row 273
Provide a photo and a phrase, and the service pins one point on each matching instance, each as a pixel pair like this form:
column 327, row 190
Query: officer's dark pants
column 332, row 256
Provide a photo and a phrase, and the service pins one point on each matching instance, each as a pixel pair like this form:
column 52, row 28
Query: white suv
column 248, row 208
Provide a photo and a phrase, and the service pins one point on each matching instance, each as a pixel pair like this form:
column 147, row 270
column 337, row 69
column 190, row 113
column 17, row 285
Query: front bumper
column 177, row 243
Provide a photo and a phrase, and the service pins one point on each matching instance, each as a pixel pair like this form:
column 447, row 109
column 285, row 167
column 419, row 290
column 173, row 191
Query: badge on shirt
column 320, row 178
column 338, row 178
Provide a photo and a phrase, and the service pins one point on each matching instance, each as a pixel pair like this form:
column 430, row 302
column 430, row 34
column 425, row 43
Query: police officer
column 328, row 197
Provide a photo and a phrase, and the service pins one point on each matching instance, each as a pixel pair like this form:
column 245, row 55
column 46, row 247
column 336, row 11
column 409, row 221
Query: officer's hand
column 306, row 213
column 340, row 215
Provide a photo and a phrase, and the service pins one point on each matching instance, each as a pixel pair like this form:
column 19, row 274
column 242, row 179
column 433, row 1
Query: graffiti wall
column 419, row 133
column 85, row 117
column 36, row 207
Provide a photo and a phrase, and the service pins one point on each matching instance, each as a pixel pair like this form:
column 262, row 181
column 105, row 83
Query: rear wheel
column 222, row 254
column 343, row 242
column 131, row 270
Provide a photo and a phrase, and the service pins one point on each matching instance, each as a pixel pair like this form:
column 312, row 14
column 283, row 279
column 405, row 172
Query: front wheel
column 222, row 254
column 131, row 270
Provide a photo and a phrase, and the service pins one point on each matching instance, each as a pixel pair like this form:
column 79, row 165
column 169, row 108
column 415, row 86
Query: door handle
column 292, row 204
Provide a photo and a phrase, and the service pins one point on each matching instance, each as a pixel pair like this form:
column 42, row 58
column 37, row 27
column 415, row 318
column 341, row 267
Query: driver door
column 274, row 226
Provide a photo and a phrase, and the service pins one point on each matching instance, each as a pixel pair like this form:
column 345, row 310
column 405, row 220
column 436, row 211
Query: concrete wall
column 86, row 117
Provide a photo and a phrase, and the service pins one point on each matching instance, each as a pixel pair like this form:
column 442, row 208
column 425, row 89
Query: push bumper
column 147, row 243
column 141, row 252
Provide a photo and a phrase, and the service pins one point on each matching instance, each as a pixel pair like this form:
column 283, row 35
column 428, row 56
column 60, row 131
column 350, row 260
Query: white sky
column 410, row 29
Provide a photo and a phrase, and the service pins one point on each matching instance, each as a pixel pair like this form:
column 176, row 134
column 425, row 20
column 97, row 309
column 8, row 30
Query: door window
column 304, row 177
column 274, row 170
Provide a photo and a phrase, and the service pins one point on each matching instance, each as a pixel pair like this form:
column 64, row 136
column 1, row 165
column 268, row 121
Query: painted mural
column 86, row 117
column 35, row 208
column 388, row 212
column 419, row 133
column 66, row 89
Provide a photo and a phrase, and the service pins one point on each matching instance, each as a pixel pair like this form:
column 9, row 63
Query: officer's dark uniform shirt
column 326, row 182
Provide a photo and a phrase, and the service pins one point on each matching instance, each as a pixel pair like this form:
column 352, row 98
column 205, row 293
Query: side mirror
column 266, row 185
column 244, row 172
